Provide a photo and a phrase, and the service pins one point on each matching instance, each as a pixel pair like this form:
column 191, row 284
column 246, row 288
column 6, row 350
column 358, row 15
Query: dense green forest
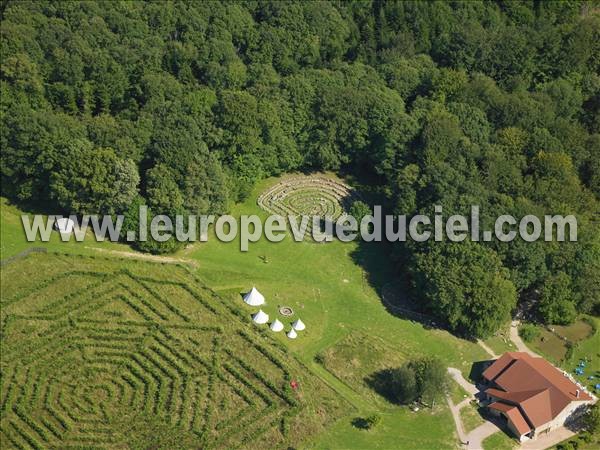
column 183, row 106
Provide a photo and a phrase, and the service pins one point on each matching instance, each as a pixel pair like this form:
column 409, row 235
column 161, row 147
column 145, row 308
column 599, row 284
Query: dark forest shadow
column 383, row 271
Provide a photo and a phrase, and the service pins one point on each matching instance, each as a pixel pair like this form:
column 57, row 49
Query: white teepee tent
column 64, row 225
column 254, row 298
column 298, row 325
column 276, row 326
column 292, row 334
column 260, row 317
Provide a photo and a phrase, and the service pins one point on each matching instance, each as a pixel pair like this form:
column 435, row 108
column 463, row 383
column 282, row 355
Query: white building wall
column 571, row 409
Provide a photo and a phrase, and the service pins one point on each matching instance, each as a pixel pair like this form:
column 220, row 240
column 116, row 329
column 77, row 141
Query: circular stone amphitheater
column 311, row 195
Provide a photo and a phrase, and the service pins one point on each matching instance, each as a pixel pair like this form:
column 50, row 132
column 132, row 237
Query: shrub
column 373, row 420
column 366, row 423
column 528, row 332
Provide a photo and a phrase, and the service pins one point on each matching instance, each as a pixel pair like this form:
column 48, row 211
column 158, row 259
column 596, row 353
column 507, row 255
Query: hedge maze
column 312, row 195
column 86, row 354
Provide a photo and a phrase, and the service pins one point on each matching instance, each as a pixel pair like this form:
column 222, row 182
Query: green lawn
column 499, row 441
column 470, row 417
column 549, row 345
column 129, row 354
column 500, row 342
column 457, row 393
column 402, row 429
column 360, row 362
column 586, row 346
column 13, row 239
column 333, row 288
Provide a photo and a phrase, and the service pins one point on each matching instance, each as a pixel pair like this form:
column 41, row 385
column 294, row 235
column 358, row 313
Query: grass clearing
column 357, row 359
column 457, row 393
column 586, row 347
column 335, row 289
column 575, row 332
column 401, row 428
column 13, row 239
column 499, row 441
column 98, row 351
column 549, row 345
column 470, row 417
column 500, row 342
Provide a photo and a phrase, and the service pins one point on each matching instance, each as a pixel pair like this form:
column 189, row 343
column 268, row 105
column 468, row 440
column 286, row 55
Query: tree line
column 184, row 106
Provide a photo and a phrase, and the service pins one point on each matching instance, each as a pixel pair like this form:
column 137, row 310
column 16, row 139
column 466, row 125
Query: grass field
column 13, row 239
column 549, row 345
column 586, row 346
column 470, row 417
column 457, row 393
column 500, row 342
column 358, row 360
column 334, row 288
column 499, row 441
column 104, row 353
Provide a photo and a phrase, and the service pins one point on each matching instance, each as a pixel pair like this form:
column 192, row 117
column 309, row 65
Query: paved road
column 476, row 437
column 548, row 440
column 514, row 336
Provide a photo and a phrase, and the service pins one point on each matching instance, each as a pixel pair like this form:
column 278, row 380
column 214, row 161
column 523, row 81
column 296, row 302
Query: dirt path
column 514, row 336
column 488, row 350
column 145, row 256
column 455, row 410
column 473, row 439
column 458, row 377
column 476, row 437
column 547, row 440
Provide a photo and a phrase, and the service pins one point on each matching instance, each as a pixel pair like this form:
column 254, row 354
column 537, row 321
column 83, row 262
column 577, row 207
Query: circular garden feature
column 286, row 311
column 310, row 195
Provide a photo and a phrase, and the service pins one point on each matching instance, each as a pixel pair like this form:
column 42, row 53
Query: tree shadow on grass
column 381, row 383
column 360, row 423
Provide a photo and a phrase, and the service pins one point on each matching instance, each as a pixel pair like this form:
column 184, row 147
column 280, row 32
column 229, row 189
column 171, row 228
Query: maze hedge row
column 120, row 348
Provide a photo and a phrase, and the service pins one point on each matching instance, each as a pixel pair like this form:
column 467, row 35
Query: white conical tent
column 298, row 325
column 254, row 298
column 276, row 326
column 64, row 225
column 260, row 317
column 292, row 334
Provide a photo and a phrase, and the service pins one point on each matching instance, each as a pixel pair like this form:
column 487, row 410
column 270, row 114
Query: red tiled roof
column 499, row 365
column 514, row 415
column 513, row 397
column 539, row 389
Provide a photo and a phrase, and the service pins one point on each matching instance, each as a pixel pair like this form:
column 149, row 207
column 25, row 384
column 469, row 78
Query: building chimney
column 577, row 393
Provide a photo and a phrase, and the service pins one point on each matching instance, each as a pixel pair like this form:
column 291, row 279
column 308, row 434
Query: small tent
column 254, row 298
column 298, row 325
column 64, row 225
column 292, row 334
column 260, row 317
column 276, row 326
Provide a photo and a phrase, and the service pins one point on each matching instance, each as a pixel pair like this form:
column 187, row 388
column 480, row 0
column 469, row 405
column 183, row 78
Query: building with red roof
column 532, row 395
